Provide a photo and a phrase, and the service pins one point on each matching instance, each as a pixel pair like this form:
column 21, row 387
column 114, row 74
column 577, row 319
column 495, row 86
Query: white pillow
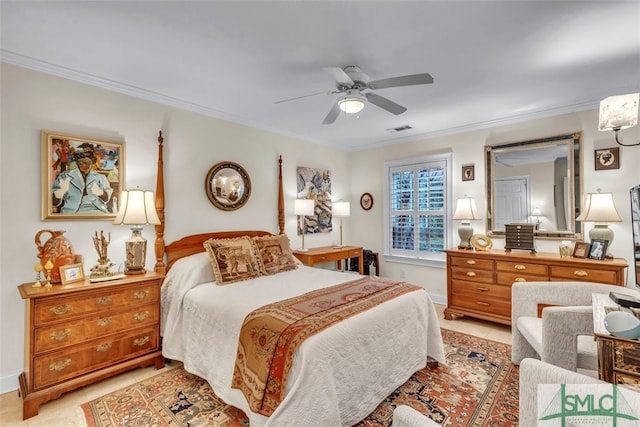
column 197, row 267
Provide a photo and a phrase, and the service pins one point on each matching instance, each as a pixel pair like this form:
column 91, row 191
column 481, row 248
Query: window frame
column 415, row 257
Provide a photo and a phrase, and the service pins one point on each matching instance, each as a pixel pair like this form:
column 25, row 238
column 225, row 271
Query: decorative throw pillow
column 233, row 259
column 275, row 253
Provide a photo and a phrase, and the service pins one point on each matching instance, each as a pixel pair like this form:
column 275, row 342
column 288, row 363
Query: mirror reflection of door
column 511, row 201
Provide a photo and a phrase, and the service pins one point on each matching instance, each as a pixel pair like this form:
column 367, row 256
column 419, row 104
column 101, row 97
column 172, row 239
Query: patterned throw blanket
column 271, row 334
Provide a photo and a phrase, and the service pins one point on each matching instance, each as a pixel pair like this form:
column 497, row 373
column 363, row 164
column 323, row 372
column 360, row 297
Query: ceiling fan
column 352, row 82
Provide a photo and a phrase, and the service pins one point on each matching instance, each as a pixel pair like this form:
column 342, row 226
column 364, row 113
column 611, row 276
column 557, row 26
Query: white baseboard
column 9, row 382
column 438, row 299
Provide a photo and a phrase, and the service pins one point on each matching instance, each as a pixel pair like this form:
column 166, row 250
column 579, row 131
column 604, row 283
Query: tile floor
column 66, row 410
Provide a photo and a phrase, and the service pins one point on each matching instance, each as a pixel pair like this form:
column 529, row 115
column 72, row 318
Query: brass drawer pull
column 141, row 294
column 520, row 279
column 60, row 335
column 482, row 303
column 471, row 273
column 60, row 309
column 580, row 273
column 520, row 267
column 141, row 316
column 141, row 341
column 104, row 321
column 104, row 300
column 104, row 347
column 483, row 289
column 471, row 261
column 59, row 366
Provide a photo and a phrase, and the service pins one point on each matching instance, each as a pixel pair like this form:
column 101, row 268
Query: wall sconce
column 341, row 209
column 599, row 208
column 619, row 112
column 137, row 208
column 302, row 208
column 537, row 212
column 466, row 211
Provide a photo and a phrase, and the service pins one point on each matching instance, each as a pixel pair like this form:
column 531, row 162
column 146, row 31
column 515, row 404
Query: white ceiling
column 492, row 61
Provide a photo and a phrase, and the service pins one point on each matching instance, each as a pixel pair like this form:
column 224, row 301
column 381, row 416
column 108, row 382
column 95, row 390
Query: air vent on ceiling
column 399, row 129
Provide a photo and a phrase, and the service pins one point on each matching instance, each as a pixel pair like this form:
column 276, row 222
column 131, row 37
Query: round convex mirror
column 227, row 186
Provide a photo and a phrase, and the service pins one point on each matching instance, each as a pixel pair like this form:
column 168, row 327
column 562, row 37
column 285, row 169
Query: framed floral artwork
column 81, row 177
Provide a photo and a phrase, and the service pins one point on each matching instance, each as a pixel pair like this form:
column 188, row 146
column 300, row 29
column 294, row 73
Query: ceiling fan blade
column 305, row 96
column 385, row 104
column 340, row 76
column 411, row 80
column 333, row 115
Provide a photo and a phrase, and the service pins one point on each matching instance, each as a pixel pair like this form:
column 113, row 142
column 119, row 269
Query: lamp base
column 133, row 271
column 136, row 251
column 465, row 231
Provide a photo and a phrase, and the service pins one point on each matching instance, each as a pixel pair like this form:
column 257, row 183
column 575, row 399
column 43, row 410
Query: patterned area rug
column 479, row 387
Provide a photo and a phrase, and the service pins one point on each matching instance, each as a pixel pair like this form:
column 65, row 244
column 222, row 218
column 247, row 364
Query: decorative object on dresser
column 598, row 249
column 480, row 242
column 81, row 177
column 83, row 332
column 227, row 186
column 619, row 112
column 302, row 208
column 100, row 272
column 519, row 236
column 72, row 273
column 137, row 208
column 599, row 208
column 366, row 201
column 479, row 283
column 341, row 209
column 57, row 250
column 465, row 211
column 581, row 249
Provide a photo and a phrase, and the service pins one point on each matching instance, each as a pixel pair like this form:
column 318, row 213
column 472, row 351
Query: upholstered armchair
column 406, row 416
column 564, row 335
column 534, row 372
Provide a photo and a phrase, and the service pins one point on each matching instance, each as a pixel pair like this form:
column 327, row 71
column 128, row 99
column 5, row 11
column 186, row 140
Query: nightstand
column 82, row 332
column 330, row 254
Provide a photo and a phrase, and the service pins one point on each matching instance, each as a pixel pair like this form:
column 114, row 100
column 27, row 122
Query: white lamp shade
column 599, row 207
column 137, row 207
column 341, row 208
column 466, row 209
column 304, row 207
column 352, row 103
column 536, row 212
column 619, row 112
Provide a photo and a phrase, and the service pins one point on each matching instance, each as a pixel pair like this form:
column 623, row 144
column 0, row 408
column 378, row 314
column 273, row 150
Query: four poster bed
column 336, row 376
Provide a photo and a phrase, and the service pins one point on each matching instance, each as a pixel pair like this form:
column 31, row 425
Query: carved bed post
column 280, row 198
column 159, row 244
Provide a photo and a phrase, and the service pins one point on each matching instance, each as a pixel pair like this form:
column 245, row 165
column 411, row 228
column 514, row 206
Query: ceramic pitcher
column 57, row 249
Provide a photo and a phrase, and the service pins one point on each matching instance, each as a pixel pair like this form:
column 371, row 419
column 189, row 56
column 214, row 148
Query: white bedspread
column 338, row 376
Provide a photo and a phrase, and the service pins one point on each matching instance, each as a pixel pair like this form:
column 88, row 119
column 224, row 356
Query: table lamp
column 537, row 212
column 465, row 211
column 599, row 208
column 341, row 209
column 137, row 208
column 302, row 208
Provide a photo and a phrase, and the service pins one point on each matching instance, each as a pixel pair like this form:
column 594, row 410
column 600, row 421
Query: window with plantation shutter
column 417, row 208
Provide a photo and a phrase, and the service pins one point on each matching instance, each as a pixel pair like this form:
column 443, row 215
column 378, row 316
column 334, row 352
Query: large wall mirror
column 537, row 182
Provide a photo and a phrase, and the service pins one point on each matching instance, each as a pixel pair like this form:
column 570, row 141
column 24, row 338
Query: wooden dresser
column 479, row 283
column 80, row 333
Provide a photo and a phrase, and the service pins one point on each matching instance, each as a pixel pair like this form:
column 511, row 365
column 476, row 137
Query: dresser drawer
column 508, row 279
column 62, row 365
column 491, row 291
column 63, row 308
column 475, row 263
column 472, row 274
column 76, row 331
column 584, row 274
column 478, row 303
column 523, row 268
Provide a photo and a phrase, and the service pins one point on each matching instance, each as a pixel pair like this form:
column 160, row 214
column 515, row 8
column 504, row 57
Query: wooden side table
column 329, row 254
column 618, row 358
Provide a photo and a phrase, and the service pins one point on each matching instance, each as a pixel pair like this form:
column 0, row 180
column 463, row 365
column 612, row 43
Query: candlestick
column 38, row 269
column 48, row 267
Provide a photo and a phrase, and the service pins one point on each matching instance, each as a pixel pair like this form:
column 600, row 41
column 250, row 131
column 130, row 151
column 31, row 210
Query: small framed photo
column 366, row 201
column 607, row 158
column 469, row 172
column 598, row 249
column 581, row 249
column 71, row 273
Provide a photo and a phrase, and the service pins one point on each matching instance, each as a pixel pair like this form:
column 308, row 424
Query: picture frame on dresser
column 598, row 249
column 71, row 273
column 81, row 177
column 580, row 250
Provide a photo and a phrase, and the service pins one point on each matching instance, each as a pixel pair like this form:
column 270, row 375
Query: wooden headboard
column 192, row 244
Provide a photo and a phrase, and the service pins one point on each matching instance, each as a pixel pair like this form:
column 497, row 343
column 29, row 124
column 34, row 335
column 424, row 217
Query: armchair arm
column 560, row 329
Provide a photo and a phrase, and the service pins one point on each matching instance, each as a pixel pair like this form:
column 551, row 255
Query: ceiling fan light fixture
column 351, row 103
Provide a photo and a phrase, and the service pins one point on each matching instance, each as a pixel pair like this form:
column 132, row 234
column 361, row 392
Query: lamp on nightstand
column 466, row 211
column 137, row 208
column 341, row 209
column 302, row 208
